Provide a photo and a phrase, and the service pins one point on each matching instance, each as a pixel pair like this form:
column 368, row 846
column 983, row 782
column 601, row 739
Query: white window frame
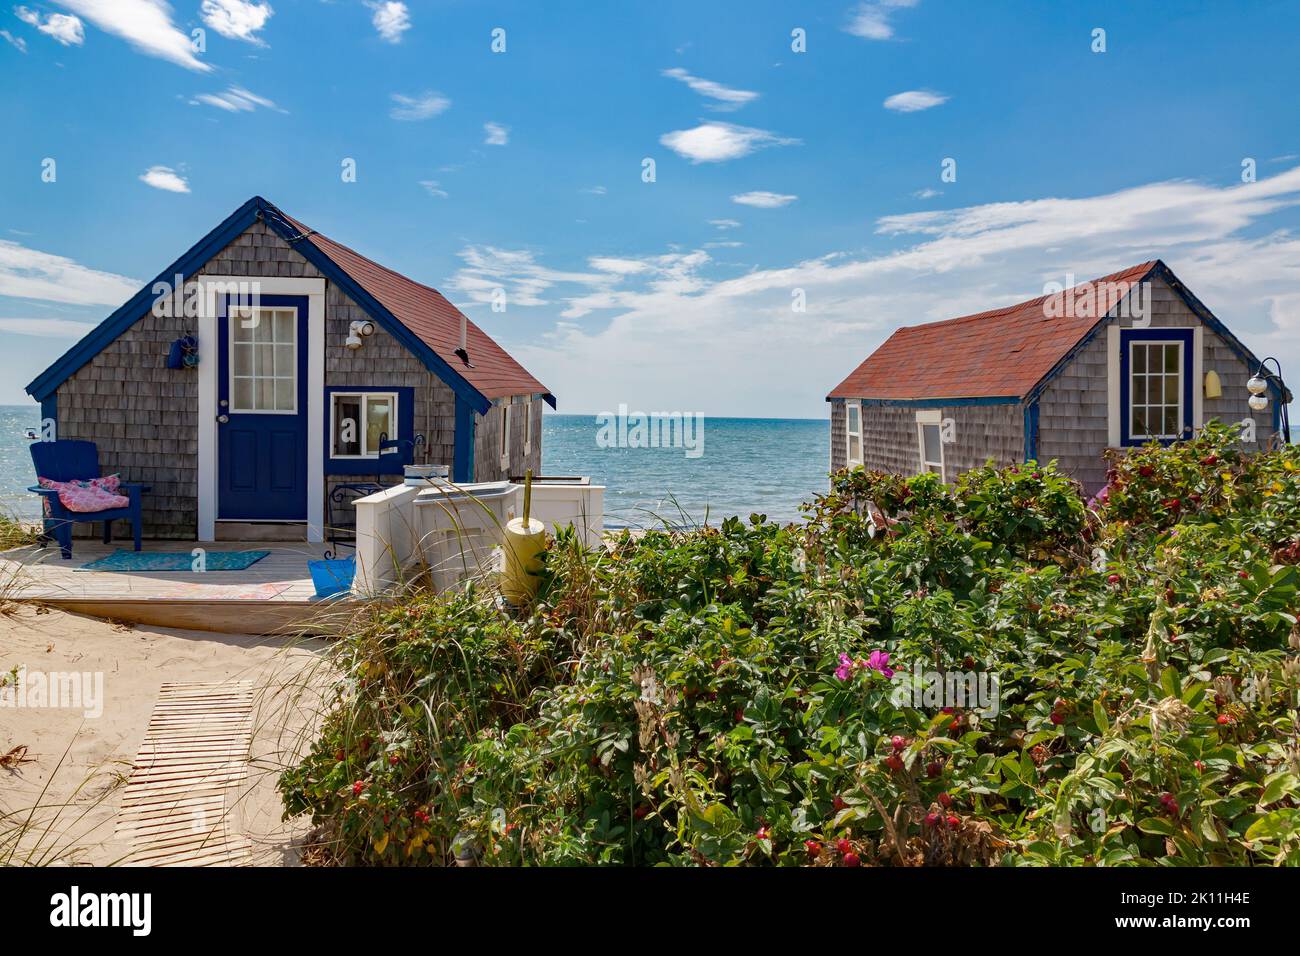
column 849, row 434
column 930, row 418
column 505, row 435
column 365, row 399
column 528, row 428
column 231, row 344
column 1162, row 375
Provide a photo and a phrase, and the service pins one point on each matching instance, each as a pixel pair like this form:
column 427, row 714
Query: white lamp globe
column 1258, row 402
column 1256, row 385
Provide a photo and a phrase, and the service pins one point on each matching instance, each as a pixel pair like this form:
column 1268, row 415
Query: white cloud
column 236, row 100
column 433, row 188
column 421, row 107
column 927, row 193
column 724, row 223
column 62, row 27
column 487, row 268
column 391, row 19
column 735, row 347
column 46, row 328
column 761, row 199
column 145, row 24
column 913, row 101
column 30, row 274
column 497, row 135
column 595, row 190
column 725, row 97
column 871, row 20
column 18, row 43
column 623, row 267
column 236, row 19
column 165, row 178
column 719, row 142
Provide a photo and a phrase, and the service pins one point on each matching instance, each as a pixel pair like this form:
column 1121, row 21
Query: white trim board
column 314, row 290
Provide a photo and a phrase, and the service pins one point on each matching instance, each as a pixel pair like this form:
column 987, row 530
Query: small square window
column 360, row 422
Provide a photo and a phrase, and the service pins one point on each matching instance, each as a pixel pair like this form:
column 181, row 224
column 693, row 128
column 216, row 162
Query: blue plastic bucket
column 333, row 576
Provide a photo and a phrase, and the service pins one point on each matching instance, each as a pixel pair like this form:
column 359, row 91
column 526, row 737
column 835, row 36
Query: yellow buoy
column 524, row 540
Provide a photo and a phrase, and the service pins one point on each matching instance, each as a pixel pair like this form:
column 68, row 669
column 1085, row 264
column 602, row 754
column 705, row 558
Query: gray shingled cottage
column 270, row 364
column 1113, row 363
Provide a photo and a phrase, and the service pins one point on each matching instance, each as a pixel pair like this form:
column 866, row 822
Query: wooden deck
column 274, row 595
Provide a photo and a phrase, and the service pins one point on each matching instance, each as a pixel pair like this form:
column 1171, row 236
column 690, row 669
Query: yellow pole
column 523, row 544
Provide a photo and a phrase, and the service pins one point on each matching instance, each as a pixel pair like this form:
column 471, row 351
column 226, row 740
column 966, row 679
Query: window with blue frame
column 369, row 430
column 1155, row 385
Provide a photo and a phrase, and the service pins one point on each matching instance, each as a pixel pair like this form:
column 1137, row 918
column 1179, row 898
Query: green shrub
column 759, row 694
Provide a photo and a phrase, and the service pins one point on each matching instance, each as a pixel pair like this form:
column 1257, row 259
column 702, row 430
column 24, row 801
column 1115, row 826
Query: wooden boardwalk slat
column 194, row 754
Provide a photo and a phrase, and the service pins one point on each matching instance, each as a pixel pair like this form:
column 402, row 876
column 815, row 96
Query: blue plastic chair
column 67, row 460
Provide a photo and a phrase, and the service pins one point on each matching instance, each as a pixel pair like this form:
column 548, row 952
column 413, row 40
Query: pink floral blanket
column 91, row 494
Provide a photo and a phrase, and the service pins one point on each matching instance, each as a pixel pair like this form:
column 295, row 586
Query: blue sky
column 775, row 170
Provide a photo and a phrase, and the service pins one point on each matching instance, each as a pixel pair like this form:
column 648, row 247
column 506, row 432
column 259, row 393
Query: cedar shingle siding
column 891, row 441
column 487, row 442
column 144, row 418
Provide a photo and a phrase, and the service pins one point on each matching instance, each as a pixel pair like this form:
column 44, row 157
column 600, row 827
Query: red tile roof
column 1000, row 353
column 434, row 320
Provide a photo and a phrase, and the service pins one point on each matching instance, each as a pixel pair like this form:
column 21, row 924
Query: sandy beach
column 77, row 760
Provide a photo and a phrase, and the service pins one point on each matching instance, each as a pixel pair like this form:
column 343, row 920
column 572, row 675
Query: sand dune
column 82, row 755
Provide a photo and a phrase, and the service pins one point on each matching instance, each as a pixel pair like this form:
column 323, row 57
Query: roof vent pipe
column 462, row 353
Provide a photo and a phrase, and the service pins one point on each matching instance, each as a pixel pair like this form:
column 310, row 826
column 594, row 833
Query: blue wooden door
column 262, row 410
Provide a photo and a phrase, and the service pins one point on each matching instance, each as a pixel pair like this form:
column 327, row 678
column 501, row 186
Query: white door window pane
column 263, row 357
column 284, row 397
column 243, row 394
column 855, row 448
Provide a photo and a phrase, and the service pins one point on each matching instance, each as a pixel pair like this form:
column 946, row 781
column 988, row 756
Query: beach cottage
column 1113, row 363
column 270, row 365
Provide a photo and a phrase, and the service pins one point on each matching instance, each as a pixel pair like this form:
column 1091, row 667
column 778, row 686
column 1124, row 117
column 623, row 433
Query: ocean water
column 16, row 473
column 764, row 465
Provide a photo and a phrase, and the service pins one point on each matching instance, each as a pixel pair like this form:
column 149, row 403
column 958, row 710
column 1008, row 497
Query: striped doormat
column 175, row 810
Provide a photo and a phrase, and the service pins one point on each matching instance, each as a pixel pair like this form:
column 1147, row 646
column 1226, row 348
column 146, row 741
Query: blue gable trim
column 1031, row 431
column 45, row 384
column 103, row 334
column 390, row 323
column 462, row 468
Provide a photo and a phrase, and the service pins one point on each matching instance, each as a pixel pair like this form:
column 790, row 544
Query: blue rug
column 128, row 561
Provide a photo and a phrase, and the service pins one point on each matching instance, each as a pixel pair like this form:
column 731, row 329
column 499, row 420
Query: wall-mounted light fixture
column 357, row 331
column 1257, row 385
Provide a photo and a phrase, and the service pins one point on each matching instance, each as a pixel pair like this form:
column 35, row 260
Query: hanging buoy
column 524, row 540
